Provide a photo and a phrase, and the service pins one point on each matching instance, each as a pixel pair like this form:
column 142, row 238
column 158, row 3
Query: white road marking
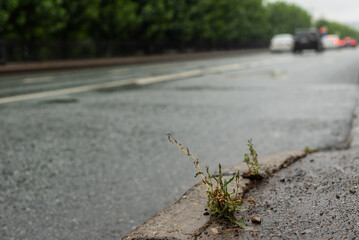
column 65, row 91
column 167, row 77
column 226, row 68
column 138, row 81
column 38, row 80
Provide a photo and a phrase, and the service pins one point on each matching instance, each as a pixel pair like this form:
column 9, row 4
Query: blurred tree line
column 139, row 20
column 123, row 27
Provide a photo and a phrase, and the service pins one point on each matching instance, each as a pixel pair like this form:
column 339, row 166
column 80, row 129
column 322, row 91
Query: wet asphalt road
column 96, row 164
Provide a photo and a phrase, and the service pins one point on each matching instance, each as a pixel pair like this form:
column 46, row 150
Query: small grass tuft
column 251, row 160
column 222, row 202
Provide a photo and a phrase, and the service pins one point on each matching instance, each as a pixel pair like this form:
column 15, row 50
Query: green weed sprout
column 309, row 150
column 222, row 202
column 251, row 159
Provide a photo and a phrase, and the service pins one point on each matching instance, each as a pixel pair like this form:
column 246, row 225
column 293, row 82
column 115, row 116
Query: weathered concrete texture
column 315, row 198
column 185, row 219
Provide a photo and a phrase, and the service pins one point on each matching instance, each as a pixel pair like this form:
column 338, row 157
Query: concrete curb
column 185, row 220
column 355, row 127
column 11, row 68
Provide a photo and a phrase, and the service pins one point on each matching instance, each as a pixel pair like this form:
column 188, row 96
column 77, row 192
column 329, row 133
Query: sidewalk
column 86, row 63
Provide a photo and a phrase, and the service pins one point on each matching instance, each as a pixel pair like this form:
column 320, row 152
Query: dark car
column 307, row 39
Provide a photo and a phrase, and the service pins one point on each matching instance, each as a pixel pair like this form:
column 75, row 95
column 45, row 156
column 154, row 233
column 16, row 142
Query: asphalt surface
column 315, row 198
column 96, row 164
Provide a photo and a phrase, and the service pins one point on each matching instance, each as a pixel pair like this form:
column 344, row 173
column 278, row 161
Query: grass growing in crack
column 222, row 202
column 309, row 150
column 251, row 160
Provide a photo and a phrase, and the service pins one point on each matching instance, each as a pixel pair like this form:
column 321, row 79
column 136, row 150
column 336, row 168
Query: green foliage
column 222, row 202
column 7, row 7
column 231, row 20
column 77, row 19
column 141, row 20
column 29, row 19
column 337, row 28
column 251, row 159
column 164, row 20
column 156, row 22
column 115, row 19
column 285, row 17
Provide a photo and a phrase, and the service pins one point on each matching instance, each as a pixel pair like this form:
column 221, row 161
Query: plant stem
column 186, row 151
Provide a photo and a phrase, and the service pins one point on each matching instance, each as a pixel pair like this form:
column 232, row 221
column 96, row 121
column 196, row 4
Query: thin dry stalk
column 186, row 151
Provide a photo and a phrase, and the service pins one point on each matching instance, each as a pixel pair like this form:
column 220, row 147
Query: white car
column 331, row 41
column 281, row 42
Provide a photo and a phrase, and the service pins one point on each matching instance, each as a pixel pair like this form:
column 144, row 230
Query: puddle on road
column 129, row 87
column 212, row 88
column 274, row 73
column 60, row 101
